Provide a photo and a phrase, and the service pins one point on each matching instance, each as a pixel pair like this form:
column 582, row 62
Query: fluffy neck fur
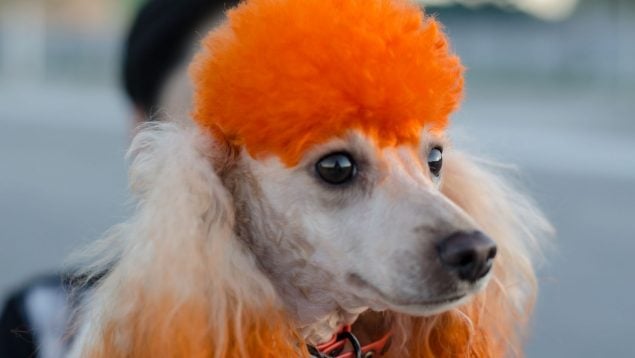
column 184, row 284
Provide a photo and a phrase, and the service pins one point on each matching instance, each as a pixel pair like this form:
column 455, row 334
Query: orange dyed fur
column 171, row 329
column 283, row 75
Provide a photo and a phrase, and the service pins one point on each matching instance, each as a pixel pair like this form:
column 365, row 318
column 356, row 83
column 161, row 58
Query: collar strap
column 335, row 346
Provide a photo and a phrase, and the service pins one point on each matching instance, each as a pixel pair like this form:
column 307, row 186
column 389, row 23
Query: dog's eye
column 336, row 168
column 435, row 160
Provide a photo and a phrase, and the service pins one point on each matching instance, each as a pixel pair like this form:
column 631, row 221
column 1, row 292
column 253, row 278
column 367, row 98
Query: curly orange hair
column 283, row 75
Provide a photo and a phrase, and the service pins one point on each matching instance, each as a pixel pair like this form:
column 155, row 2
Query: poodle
column 314, row 205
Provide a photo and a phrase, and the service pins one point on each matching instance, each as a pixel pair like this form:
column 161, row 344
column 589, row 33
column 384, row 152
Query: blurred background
column 551, row 89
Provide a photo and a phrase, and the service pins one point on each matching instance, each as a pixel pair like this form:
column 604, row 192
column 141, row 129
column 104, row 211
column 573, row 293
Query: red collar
column 336, row 345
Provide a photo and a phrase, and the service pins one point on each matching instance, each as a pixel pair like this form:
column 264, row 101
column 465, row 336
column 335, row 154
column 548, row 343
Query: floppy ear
column 491, row 325
column 178, row 282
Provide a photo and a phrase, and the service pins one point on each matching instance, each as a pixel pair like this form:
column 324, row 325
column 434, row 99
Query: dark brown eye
column 435, row 160
column 336, row 168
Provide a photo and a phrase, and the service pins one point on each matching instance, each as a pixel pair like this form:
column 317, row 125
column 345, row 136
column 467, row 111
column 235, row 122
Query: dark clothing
column 16, row 337
column 158, row 40
column 36, row 311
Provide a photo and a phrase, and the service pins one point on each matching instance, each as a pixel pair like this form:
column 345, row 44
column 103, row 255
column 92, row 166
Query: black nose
column 469, row 254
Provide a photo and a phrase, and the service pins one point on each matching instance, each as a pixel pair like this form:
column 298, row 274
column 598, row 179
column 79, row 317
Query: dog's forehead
column 280, row 77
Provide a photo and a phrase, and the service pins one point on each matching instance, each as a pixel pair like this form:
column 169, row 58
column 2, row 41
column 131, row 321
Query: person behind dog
column 161, row 42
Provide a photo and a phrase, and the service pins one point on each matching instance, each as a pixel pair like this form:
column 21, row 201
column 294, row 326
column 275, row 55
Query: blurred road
column 62, row 182
column 62, row 174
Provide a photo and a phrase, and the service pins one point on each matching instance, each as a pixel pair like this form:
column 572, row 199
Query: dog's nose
column 469, row 254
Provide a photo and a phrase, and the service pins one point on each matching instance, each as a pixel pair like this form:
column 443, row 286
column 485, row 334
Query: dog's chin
column 419, row 305
column 432, row 306
column 438, row 304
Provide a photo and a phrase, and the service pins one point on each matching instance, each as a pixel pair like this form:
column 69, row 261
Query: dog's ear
column 180, row 284
column 491, row 325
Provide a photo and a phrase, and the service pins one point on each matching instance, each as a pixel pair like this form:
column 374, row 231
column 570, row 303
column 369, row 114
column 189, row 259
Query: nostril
column 468, row 254
column 492, row 253
column 466, row 258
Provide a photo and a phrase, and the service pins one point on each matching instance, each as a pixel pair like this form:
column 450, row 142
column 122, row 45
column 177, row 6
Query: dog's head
column 337, row 111
column 319, row 175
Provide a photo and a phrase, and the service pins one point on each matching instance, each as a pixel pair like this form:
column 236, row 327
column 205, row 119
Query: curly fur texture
column 225, row 254
column 283, row 75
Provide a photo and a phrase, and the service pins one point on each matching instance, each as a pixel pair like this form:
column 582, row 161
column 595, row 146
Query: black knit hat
column 158, row 40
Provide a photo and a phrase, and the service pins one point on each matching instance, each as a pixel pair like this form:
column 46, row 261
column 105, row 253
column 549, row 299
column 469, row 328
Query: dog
column 314, row 201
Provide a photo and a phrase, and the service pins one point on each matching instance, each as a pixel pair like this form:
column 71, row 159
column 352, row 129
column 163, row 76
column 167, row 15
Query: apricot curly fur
column 283, row 75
